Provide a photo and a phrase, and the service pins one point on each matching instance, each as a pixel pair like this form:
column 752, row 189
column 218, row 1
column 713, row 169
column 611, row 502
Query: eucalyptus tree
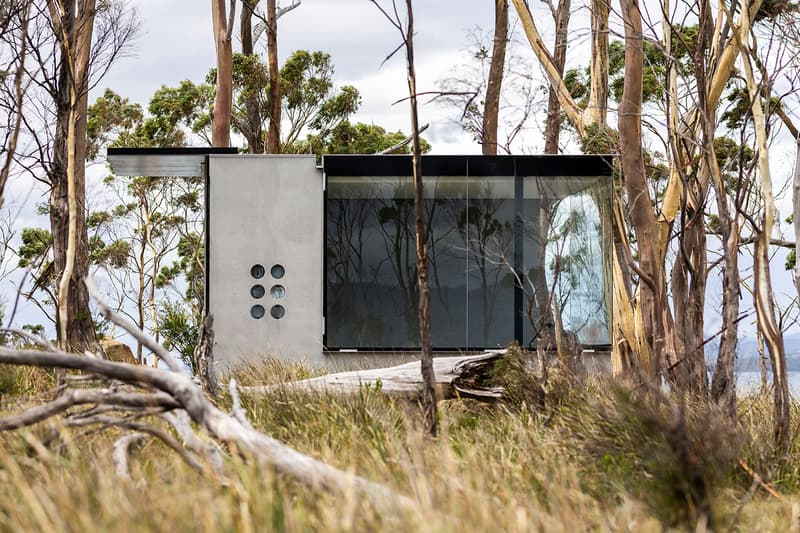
column 71, row 45
column 150, row 236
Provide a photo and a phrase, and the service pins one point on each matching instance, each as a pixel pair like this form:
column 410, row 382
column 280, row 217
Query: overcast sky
column 176, row 44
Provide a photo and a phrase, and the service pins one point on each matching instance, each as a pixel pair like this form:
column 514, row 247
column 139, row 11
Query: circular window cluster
column 276, row 292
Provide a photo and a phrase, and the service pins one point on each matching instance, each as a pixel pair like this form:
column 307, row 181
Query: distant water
column 749, row 382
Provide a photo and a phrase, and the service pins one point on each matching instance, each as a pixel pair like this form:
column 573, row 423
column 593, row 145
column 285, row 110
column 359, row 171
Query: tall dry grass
column 597, row 459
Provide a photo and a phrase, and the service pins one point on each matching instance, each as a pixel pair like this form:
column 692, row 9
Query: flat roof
column 178, row 161
column 470, row 165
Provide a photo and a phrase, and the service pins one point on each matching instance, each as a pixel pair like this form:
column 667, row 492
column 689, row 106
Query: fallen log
column 152, row 391
column 456, row 377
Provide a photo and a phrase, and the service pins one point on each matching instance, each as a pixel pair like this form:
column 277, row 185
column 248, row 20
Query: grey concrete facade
column 265, row 210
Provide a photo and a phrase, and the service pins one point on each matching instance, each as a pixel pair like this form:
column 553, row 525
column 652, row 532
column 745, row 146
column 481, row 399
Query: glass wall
column 506, row 251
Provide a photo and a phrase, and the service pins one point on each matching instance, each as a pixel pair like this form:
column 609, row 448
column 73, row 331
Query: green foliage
column 179, row 329
column 734, row 160
column 738, row 113
column 113, row 121
column 112, row 118
column 187, row 105
column 359, row 138
column 600, row 139
column 36, row 243
column 309, row 98
column 116, row 254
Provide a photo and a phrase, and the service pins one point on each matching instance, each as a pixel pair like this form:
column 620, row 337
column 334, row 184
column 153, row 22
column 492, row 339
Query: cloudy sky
column 176, row 44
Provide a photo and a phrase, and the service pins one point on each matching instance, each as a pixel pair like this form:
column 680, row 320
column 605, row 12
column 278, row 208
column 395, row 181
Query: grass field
column 598, row 458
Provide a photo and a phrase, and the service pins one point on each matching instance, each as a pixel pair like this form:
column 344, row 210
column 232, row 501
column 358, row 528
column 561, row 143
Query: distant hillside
column 747, row 350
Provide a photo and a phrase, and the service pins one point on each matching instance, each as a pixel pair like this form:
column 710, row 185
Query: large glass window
column 506, row 251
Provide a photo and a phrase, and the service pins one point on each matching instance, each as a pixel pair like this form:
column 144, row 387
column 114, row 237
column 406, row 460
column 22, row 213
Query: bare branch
column 181, row 423
column 402, row 143
column 72, row 397
column 128, row 326
column 122, row 448
column 281, row 11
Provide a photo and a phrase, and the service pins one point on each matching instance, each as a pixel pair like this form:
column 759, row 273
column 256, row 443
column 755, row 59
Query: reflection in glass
column 257, row 271
column 277, row 291
column 485, row 235
column 277, row 271
column 257, row 311
column 565, row 258
column 257, row 291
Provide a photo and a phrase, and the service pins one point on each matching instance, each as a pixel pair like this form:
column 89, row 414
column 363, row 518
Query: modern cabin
column 317, row 262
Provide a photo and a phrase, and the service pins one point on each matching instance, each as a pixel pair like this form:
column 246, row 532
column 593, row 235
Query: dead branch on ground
column 138, row 392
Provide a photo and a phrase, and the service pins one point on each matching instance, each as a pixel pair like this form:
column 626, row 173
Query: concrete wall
column 268, row 210
column 265, row 210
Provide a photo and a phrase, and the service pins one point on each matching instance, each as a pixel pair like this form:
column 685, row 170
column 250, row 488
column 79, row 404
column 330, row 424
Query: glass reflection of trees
column 372, row 294
column 564, row 259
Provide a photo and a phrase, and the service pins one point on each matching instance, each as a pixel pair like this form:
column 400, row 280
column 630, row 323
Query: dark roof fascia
column 473, row 165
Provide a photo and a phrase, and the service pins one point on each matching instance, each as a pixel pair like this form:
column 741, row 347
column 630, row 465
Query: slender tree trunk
column 553, row 126
column 426, row 352
column 221, row 115
column 491, row 108
column 765, row 310
column 19, row 91
column 568, row 104
column 254, row 132
column 796, row 215
column 274, row 100
column 723, row 383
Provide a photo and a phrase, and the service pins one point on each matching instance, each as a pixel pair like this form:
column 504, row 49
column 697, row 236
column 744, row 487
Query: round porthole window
column 277, row 271
column 257, row 311
column 277, row 311
column 257, row 291
column 257, row 271
column 277, row 291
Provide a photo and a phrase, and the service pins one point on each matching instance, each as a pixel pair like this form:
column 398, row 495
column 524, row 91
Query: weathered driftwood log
column 456, row 377
column 161, row 391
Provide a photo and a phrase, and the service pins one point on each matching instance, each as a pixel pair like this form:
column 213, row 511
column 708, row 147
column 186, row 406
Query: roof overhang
column 166, row 162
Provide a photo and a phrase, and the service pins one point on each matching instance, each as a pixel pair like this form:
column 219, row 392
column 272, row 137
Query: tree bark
column 254, row 132
column 651, row 276
column 568, row 104
column 723, row 384
column 19, row 90
column 426, row 352
column 491, row 108
column 596, row 109
column 74, row 27
column 796, row 215
column 553, row 125
column 765, row 310
column 274, row 100
column 221, row 115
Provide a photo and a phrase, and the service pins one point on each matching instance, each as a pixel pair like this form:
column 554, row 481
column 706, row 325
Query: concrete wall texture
column 265, row 210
